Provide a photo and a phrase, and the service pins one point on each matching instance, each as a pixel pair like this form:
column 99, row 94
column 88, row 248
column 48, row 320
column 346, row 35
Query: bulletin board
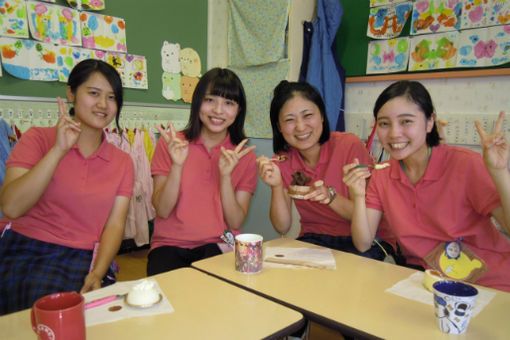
column 148, row 24
column 352, row 46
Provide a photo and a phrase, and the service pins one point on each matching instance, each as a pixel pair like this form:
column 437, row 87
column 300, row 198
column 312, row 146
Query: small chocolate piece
column 299, row 178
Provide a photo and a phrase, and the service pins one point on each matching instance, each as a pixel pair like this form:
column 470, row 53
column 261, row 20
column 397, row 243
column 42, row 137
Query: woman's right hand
column 68, row 130
column 177, row 148
column 355, row 179
column 269, row 172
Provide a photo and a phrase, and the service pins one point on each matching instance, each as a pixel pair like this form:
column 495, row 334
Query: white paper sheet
column 412, row 288
column 101, row 314
column 322, row 257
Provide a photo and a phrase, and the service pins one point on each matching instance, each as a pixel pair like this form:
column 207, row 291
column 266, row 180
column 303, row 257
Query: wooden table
column 352, row 298
column 205, row 308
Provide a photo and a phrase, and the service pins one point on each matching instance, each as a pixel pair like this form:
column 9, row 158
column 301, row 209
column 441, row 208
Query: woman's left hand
column 494, row 147
column 229, row 158
column 92, row 282
column 319, row 193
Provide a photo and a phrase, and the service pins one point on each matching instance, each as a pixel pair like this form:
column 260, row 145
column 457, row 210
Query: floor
column 133, row 267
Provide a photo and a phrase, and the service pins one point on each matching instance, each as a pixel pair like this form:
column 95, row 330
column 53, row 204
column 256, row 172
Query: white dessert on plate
column 144, row 294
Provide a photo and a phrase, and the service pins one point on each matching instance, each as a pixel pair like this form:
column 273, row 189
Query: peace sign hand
column 177, row 148
column 229, row 158
column 68, row 130
column 494, row 147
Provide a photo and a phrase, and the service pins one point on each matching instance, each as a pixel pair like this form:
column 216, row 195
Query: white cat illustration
column 170, row 57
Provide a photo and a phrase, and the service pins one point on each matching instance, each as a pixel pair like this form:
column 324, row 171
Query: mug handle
column 32, row 319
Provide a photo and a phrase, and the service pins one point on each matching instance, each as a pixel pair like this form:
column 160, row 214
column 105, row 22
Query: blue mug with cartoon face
column 453, row 302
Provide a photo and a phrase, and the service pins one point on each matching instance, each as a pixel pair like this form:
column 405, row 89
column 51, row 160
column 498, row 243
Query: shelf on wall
column 430, row 75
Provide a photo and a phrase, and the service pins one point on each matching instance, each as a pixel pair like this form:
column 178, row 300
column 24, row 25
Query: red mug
column 59, row 316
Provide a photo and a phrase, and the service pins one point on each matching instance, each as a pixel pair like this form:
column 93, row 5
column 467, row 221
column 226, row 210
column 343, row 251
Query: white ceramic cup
column 453, row 302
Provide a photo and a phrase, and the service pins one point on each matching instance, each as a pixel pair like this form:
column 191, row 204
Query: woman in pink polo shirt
column 66, row 190
column 437, row 199
column 204, row 178
column 301, row 137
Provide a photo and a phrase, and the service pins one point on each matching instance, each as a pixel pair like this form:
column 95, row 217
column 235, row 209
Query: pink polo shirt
column 454, row 199
column 340, row 149
column 197, row 218
column 77, row 202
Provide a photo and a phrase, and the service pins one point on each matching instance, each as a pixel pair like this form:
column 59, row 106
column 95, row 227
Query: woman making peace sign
column 203, row 177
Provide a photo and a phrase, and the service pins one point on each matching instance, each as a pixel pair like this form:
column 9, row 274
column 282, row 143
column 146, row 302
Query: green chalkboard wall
column 148, row 24
column 352, row 40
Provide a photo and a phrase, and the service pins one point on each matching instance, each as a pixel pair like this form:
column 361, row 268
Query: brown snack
column 299, row 178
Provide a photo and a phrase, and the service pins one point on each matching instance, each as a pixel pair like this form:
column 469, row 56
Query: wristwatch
column 332, row 193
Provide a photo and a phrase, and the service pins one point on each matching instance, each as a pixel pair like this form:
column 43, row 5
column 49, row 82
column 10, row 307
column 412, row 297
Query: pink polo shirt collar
column 297, row 162
column 432, row 173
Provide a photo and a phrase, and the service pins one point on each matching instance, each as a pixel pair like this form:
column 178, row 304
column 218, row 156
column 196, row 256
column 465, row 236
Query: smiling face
column 94, row 102
column 217, row 114
column 300, row 123
column 402, row 128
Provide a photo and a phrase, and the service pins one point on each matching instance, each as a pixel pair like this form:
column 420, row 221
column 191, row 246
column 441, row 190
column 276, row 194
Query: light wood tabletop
column 352, row 298
column 204, row 308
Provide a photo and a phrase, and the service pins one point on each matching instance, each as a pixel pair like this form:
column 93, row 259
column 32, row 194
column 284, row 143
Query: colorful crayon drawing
column 385, row 56
column 55, row 24
column 374, row 3
column 136, row 72
column 431, row 16
column 29, row 59
column 87, row 5
column 68, row 57
column 498, row 12
column 484, row 47
column 388, row 21
column 117, row 60
column 103, row 32
column 483, row 13
column 433, row 51
column 13, row 18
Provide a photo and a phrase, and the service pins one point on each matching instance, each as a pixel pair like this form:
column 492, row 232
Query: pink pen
column 102, row 301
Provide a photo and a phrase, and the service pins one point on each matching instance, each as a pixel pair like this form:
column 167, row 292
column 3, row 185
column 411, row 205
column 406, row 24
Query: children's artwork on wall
column 117, row 60
column 171, row 86
column 68, row 57
column 13, row 19
column 170, row 57
column 374, row 3
column 87, row 5
column 188, row 85
column 135, row 72
column 431, row 16
column 52, row 1
column 385, row 56
column 55, row 24
column 433, row 51
column 483, row 13
column 190, row 62
column 388, row 21
column 484, row 47
column 103, row 32
column 498, row 12
column 29, row 59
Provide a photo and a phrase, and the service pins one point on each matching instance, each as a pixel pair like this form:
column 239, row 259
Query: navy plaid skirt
column 30, row 269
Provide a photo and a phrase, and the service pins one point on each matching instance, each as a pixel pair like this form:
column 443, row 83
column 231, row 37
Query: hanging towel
column 322, row 70
column 256, row 31
column 259, row 82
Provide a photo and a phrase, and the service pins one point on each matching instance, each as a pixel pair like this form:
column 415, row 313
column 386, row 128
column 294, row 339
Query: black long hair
column 82, row 72
column 416, row 93
column 284, row 92
column 218, row 82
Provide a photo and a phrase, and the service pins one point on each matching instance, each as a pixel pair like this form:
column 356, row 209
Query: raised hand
column 269, row 172
column 177, row 148
column 494, row 147
column 229, row 158
column 355, row 179
column 68, row 130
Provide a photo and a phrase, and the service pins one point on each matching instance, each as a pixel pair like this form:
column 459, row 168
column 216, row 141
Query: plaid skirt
column 30, row 269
